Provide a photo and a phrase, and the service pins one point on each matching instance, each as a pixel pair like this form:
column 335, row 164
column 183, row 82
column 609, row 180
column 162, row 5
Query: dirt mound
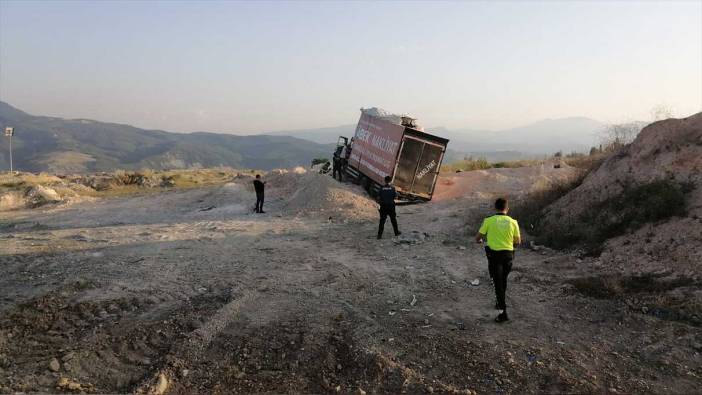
column 26, row 190
column 666, row 150
column 654, row 180
column 312, row 193
column 641, row 210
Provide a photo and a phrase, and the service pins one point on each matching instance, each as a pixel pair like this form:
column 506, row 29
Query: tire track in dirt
column 192, row 346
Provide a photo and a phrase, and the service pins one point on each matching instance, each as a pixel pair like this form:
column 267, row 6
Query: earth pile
column 641, row 212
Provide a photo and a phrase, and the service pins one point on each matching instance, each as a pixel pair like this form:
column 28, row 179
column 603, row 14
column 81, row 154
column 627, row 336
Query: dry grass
column 119, row 182
column 19, row 181
column 587, row 162
column 481, row 164
column 200, row 177
column 131, row 182
column 529, row 210
column 466, row 165
column 518, row 163
column 579, row 160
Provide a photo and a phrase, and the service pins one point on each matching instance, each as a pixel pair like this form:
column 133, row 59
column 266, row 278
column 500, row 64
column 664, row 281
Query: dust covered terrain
column 188, row 291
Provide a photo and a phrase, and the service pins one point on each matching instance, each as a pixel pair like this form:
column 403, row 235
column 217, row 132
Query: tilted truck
column 392, row 145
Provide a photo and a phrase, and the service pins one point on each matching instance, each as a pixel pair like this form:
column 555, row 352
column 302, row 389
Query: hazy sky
column 249, row 67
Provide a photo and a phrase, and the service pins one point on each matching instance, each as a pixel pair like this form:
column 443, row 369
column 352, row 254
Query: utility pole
column 9, row 132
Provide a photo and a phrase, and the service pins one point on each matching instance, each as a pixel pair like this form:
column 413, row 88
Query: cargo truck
column 390, row 145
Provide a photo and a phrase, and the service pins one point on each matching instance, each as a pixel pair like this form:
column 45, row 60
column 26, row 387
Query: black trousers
column 259, row 202
column 336, row 170
column 385, row 212
column 499, row 265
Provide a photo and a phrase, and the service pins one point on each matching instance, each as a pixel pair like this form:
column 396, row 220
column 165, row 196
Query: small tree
column 619, row 135
column 661, row 112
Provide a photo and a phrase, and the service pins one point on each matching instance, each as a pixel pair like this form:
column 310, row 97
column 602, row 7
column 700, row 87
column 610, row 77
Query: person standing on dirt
column 344, row 158
column 259, row 186
column 502, row 233
column 336, row 163
column 386, row 199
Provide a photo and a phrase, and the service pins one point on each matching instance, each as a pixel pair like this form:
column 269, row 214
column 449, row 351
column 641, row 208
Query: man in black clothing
column 346, row 156
column 259, row 186
column 336, row 161
column 386, row 199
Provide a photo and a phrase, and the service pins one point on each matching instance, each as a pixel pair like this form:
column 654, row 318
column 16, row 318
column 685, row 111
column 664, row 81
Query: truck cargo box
column 381, row 147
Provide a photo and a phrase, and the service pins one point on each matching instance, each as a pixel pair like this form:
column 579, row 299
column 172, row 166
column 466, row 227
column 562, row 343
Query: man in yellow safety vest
column 501, row 233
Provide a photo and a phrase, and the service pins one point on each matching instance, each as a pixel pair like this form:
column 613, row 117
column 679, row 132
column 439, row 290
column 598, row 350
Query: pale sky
column 238, row 67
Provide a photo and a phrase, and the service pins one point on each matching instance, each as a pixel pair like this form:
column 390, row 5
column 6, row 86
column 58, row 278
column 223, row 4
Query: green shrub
column 12, row 184
column 467, row 164
column 636, row 205
column 529, row 210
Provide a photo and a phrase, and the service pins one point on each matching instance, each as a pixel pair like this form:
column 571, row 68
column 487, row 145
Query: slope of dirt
column 664, row 150
column 319, row 194
column 188, row 292
column 654, row 267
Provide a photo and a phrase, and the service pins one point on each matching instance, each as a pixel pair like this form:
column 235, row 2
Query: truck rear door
column 418, row 166
column 406, row 166
column 427, row 170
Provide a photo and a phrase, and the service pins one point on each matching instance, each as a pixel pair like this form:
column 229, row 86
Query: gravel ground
column 188, row 292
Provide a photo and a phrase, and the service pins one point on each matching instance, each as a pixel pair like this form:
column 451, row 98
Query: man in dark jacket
column 386, row 199
column 336, row 161
column 259, row 187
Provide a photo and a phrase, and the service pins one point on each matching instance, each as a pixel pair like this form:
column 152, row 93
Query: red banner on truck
column 375, row 147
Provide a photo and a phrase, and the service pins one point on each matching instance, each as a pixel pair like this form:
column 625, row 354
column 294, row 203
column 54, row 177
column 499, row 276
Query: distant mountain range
column 79, row 145
column 328, row 135
column 543, row 137
column 539, row 138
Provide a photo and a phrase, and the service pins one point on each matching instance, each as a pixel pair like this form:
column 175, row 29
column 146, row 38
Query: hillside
column 79, row 145
column 655, row 177
column 640, row 213
column 328, row 135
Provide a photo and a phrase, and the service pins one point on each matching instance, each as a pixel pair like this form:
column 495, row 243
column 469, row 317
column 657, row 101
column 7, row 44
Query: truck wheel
column 356, row 180
column 366, row 183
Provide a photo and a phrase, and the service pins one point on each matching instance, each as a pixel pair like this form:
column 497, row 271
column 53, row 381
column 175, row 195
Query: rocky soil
column 187, row 292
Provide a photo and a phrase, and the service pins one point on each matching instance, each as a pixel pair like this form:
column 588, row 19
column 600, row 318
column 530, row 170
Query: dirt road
column 188, row 292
